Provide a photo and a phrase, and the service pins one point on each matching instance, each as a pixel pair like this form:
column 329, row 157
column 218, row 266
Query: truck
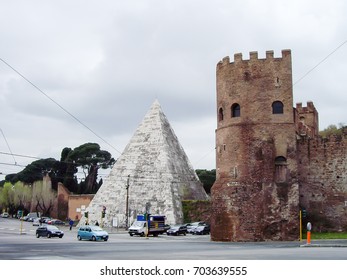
column 148, row 224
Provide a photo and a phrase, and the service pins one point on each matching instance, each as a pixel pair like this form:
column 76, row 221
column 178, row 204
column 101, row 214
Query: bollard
column 309, row 227
column 308, row 237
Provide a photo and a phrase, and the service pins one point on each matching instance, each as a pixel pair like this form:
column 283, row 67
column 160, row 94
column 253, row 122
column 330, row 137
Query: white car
column 5, row 215
column 36, row 222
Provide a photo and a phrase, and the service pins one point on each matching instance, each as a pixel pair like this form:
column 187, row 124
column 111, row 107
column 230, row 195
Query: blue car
column 92, row 233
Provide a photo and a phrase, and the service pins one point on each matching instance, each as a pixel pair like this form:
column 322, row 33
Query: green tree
column 67, row 171
column 332, row 130
column 207, row 178
column 89, row 157
column 43, row 196
column 6, row 197
column 21, row 196
column 35, row 171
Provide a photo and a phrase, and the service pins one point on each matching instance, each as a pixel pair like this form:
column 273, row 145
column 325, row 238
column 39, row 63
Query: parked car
column 44, row 220
column 192, row 226
column 49, row 231
column 5, row 215
column 177, row 230
column 55, row 222
column 36, row 221
column 204, row 229
column 31, row 216
column 92, row 233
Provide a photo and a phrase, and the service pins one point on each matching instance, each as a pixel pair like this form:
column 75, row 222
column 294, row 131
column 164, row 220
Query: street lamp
column 127, row 204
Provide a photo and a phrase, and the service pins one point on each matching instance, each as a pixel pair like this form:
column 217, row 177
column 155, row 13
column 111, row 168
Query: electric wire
column 70, row 114
column 60, row 106
column 8, row 146
column 319, row 63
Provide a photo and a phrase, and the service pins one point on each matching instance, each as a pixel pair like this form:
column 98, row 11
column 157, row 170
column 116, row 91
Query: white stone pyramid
column 161, row 176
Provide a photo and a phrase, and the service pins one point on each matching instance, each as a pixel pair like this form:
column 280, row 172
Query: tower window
column 280, row 160
column 280, row 169
column 277, row 107
column 235, row 110
column 220, row 114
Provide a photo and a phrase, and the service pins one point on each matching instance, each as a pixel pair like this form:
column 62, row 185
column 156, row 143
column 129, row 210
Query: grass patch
column 326, row 235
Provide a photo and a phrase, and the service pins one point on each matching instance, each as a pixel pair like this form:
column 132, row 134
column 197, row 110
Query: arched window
column 220, row 114
column 280, row 160
column 277, row 107
column 280, row 169
column 235, row 110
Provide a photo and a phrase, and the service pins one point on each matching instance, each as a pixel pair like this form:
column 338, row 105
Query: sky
column 80, row 71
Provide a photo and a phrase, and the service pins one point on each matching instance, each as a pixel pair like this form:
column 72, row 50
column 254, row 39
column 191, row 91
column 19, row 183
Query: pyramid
column 157, row 171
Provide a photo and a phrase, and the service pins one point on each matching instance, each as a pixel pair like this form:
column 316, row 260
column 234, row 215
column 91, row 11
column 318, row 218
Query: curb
column 322, row 245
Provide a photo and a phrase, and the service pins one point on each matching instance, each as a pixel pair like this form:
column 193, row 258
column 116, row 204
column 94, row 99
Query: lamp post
column 127, row 204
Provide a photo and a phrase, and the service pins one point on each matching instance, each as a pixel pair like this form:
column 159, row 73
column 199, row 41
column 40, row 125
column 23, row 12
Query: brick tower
column 256, row 193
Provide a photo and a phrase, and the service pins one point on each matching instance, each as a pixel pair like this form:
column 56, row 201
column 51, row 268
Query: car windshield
column 138, row 224
column 52, row 228
column 175, row 227
column 96, row 228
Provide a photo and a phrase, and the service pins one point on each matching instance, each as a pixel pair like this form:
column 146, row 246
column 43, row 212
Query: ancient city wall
column 323, row 181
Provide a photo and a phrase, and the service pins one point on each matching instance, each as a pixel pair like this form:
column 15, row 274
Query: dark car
column 49, row 231
column 204, row 229
column 177, row 230
column 55, row 222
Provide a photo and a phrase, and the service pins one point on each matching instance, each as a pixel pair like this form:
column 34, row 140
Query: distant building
column 71, row 206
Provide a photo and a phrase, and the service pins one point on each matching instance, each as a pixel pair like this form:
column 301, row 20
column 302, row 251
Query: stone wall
column 196, row 210
column 323, row 181
column 63, row 205
column 78, row 204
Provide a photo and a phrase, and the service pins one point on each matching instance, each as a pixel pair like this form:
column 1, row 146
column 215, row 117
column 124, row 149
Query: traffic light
column 304, row 213
column 20, row 213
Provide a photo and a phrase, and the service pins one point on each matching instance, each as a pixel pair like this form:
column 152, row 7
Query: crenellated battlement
column 253, row 56
column 309, row 108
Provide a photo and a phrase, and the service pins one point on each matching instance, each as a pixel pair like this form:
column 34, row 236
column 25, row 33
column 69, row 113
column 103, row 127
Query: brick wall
column 323, row 181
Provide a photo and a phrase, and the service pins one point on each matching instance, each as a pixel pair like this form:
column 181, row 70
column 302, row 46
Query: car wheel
column 93, row 238
column 131, row 234
column 142, row 234
column 37, row 235
column 60, row 236
column 105, row 239
column 79, row 237
column 49, row 235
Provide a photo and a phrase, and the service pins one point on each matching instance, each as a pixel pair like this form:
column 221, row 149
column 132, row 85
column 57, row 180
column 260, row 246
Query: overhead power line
column 17, row 155
column 319, row 63
column 60, row 106
column 8, row 146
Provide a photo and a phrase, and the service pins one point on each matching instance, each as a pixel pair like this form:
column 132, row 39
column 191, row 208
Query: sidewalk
column 326, row 243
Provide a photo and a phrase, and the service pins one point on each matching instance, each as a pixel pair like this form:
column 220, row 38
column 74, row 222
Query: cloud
column 105, row 62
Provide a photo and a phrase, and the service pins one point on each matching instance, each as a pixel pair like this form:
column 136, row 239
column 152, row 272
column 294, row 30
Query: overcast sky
column 105, row 62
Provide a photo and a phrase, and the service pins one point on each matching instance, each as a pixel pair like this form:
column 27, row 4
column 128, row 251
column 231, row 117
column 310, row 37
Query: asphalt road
column 17, row 245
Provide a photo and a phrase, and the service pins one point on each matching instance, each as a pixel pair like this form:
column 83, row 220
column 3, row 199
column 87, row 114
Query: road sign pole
column 300, row 218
